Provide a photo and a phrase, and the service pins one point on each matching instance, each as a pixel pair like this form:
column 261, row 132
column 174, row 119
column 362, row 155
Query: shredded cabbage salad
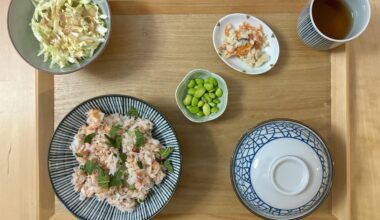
column 68, row 30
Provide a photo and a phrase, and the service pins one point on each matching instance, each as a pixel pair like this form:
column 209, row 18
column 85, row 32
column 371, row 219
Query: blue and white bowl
column 281, row 169
column 61, row 161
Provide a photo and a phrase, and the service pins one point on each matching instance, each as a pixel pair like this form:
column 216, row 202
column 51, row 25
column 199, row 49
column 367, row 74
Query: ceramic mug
column 309, row 33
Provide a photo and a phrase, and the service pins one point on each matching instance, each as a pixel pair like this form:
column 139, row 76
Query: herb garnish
column 89, row 166
column 116, row 179
column 89, row 138
column 140, row 164
column 103, row 178
column 118, row 141
column 114, row 142
column 133, row 113
column 78, row 155
column 165, row 152
column 140, row 141
column 109, row 140
column 131, row 187
column 114, row 130
column 123, row 157
column 168, row 166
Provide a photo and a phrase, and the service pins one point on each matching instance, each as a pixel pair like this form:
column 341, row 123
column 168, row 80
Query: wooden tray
column 153, row 45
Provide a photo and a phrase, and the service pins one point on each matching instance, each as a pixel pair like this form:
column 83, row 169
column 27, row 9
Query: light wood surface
column 151, row 60
column 365, row 120
column 340, row 132
column 263, row 97
column 17, row 131
column 45, row 124
column 143, row 7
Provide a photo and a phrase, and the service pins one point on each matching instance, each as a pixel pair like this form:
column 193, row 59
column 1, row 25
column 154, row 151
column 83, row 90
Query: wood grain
column 19, row 94
column 365, row 111
column 143, row 7
column 147, row 57
column 340, row 132
column 45, row 125
column 17, row 131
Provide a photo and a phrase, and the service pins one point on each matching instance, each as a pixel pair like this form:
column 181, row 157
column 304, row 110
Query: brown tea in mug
column 333, row 18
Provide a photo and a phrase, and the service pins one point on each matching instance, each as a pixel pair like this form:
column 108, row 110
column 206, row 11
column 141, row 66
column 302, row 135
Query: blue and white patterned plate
column 281, row 169
column 61, row 161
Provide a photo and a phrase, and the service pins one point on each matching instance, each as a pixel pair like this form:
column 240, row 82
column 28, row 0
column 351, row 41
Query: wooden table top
column 18, row 195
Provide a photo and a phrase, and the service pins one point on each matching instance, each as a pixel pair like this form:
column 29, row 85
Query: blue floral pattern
column 248, row 147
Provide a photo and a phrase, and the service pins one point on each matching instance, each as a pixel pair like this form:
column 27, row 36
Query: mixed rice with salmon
column 119, row 160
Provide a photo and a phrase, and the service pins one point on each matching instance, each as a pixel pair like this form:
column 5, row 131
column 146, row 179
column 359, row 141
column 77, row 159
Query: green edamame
column 199, row 92
column 203, row 96
column 198, row 86
column 207, row 97
column 200, row 103
column 187, row 100
column 194, row 101
column 214, row 109
column 199, row 81
column 191, row 84
column 191, row 91
column 214, row 81
column 219, row 92
column 193, row 109
column 200, row 114
column 208, row 86
column 206, row 109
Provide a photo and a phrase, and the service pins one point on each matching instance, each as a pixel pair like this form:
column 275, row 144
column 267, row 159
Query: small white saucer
column 235, row 63
column 289, row 175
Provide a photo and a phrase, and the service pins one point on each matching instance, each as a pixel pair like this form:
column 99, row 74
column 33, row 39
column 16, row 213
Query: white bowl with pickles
column 202, row 96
